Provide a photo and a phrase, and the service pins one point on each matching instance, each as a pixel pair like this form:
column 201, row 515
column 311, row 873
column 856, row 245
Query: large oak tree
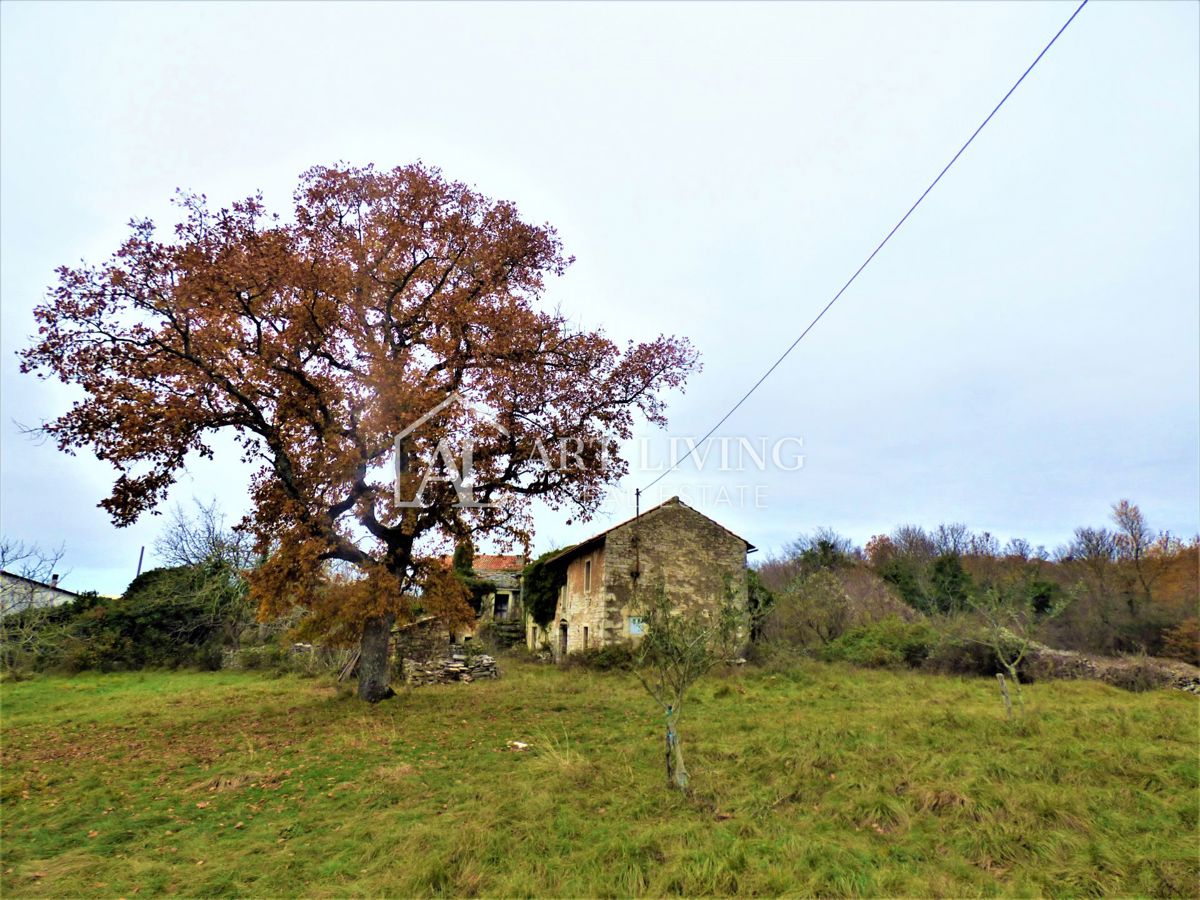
column 319, row 337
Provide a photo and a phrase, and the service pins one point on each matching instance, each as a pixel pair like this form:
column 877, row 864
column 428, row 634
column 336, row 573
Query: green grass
column 826, row 780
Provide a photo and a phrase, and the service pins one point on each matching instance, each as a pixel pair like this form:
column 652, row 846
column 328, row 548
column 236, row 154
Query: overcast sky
column 1022, row 354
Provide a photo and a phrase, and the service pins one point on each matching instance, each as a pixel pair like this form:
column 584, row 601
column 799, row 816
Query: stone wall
column 423, row 640
column 1130, row 673
column 692, row 557
column 688, row 554
column 581, row 607
column 455, row 665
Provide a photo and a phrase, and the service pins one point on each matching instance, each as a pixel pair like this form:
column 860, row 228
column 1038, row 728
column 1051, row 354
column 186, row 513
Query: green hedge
column 888, row 643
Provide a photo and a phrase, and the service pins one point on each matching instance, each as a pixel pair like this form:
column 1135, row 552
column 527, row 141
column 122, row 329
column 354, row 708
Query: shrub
column 604, row 659
column 811, row 611
column 818, row 608
column 268, row 656
column 888, row 643
column 957, row 655
column 1137, row 675
column 776, row 657
column 102, row 652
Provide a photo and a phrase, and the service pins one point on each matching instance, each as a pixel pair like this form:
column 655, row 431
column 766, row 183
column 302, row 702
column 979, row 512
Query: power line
column 867, row 262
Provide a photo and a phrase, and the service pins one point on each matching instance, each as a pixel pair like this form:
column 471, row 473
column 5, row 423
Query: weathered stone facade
column 501, row 611
column 504, row 573
column 694, row 559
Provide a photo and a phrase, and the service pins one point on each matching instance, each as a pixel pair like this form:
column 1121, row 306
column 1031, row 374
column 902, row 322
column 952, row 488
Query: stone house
column 694, row 558
column 504, row 572
column 502, row 608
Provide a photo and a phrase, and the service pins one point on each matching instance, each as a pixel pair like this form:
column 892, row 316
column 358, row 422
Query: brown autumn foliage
column 315, row 340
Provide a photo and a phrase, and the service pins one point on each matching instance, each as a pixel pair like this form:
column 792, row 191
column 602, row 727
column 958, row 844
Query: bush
column 956, row 655
column 603, row 659
column 102, row 652
column 818, row 608
column 776, row 657
column 888, row 643
column 1137, row 675
column 812, row 611
column 166, row 618
column 268, row 656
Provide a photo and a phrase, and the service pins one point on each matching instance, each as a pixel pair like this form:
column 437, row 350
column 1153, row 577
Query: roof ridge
column 672, row 501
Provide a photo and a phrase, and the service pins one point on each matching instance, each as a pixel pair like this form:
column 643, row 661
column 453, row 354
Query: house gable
column 670, row 547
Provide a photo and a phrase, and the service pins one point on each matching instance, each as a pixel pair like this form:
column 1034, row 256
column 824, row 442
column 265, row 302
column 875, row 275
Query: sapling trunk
column 677, row 776
column 1016, row 679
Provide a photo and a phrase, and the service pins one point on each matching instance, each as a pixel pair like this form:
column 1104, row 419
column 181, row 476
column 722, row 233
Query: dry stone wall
column 423, row 640
column 457, row 665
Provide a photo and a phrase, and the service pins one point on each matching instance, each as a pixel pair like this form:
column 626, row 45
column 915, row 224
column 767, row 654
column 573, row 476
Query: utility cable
column 895, row 228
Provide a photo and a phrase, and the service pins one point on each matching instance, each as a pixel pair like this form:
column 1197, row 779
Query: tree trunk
column 1017, row 684
column 677, row 776
column 374, row 669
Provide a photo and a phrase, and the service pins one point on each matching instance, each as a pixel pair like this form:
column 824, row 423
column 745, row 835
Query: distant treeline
column 1115, row 589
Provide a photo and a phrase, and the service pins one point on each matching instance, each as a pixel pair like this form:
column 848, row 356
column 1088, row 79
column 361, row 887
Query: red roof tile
column 499, row 563
column 496, row 563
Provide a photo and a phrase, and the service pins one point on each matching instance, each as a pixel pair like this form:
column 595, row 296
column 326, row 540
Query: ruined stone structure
column 693, row 558
column 425, row 655
column 502, row 610
column 421, row 641
column 504, row 573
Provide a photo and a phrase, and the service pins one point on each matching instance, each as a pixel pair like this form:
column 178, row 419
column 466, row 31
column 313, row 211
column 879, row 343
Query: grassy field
column 824, row 780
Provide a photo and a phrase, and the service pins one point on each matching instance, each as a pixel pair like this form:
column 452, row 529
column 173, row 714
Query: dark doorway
column 501, row 608
column 562, row 639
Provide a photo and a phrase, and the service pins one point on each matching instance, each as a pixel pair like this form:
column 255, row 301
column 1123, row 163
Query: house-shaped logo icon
column 460, row 478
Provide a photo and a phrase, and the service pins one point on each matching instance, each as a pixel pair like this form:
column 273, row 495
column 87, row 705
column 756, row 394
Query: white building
column 18, row 593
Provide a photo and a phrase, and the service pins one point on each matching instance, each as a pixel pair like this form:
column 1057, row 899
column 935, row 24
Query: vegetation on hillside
column 1124, row 590
column 185, row 613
